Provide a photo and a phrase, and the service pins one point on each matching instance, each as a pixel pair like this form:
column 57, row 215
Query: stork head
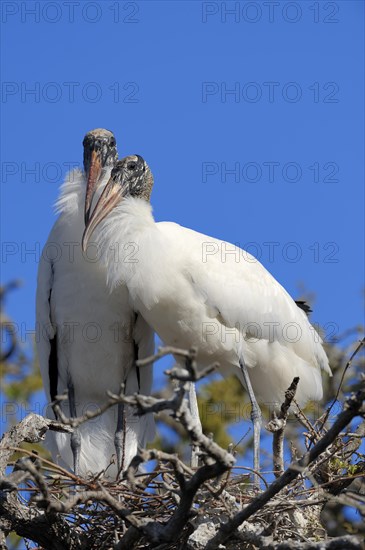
column 100, row 151
column 130, row 177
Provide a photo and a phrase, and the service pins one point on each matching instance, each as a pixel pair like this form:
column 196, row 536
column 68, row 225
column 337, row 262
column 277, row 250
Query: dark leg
column 256, row 420
column 193, row 405
column 75, row 436
column 119, row 438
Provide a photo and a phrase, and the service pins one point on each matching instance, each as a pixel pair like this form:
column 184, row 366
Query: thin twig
column 352, row 409
column 348, row 364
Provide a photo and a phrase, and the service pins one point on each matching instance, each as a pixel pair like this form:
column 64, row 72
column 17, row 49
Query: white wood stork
column 88, row 337
column 226, row 305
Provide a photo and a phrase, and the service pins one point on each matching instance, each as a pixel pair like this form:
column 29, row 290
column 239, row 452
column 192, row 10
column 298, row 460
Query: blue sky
column 273, row 91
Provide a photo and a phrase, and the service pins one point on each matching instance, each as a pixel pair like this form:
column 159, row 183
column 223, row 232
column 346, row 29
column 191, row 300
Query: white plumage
column 227, row 310
column 233, row 311
column 97, row 336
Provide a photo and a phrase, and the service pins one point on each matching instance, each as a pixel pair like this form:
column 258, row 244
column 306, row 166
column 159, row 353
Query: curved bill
column 109, row 198
column 92, row 182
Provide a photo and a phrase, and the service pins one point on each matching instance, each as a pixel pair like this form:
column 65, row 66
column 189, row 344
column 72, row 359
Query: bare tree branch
column 175, row 506
column 31, row 430
column 353, row 408
column 277, row 426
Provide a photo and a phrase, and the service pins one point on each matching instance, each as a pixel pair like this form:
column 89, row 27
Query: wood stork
column 89, row 338
column 193, row 292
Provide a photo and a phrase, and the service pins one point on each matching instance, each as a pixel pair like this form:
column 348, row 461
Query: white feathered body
column 194, row 293
column 97, row 334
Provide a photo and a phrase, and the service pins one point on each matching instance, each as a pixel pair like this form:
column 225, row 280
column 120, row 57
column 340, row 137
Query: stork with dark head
column 233, row 312
column 88, row 337
column 100, row 155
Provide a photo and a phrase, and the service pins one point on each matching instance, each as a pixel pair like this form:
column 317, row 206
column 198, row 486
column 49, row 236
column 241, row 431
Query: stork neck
column 124, row 240
column 133, row 216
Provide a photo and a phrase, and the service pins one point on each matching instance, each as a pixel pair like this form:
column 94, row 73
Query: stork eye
column 131, row 165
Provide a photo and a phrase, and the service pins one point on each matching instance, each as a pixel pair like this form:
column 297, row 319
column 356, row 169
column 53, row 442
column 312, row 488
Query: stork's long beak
column 93, row 177
column 110, row 197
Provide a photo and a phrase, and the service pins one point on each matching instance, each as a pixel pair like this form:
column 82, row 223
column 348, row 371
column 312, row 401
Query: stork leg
column 75, row 436
column 256, row 421
column 193, row 405
column 119, row 438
